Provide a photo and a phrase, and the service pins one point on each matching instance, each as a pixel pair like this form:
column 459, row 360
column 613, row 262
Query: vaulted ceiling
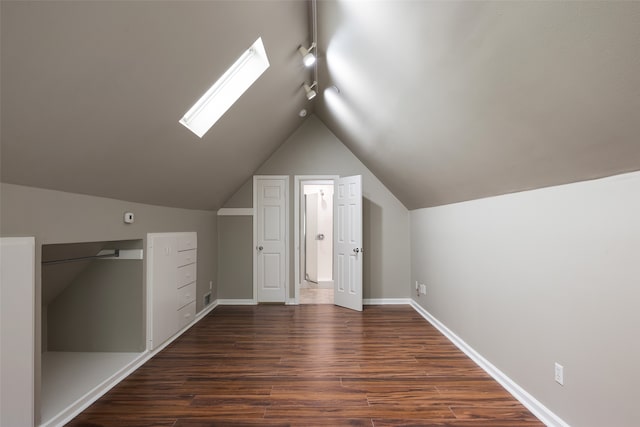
column 443, row 101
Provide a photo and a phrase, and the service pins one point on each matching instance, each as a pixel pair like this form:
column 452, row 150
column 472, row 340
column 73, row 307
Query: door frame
column 286, row 235
column 297, row 187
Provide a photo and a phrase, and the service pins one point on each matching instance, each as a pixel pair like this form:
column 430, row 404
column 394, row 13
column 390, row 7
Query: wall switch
column 210, row 284
column 559, row 373
column 423, row 289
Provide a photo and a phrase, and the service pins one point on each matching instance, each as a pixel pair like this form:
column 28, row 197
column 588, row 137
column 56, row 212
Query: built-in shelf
column 68, row 377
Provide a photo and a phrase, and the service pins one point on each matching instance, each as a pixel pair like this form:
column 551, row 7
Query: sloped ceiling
column 92, row 92
column 451, row 101
column 443, row 101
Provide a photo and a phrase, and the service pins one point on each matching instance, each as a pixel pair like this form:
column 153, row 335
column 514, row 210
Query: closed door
column 347, row 235
column 271, row 239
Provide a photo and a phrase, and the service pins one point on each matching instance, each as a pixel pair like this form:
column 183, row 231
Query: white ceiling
column 443, row 101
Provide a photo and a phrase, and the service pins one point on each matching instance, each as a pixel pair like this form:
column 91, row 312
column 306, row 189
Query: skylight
column 227, row 90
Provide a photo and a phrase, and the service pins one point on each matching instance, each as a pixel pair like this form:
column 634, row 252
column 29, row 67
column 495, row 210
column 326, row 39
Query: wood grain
column 308, row 365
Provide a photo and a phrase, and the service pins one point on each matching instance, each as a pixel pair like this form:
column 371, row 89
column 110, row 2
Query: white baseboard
column 325, row 284
column 206, row 310
column 386, row 301
column 543, row 413
column 71, row 411
column 248, row 301
column 97, row 392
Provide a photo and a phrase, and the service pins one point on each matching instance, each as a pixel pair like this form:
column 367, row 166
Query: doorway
column 314, row 240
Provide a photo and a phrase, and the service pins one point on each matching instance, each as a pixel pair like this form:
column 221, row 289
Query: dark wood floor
column 311, row 365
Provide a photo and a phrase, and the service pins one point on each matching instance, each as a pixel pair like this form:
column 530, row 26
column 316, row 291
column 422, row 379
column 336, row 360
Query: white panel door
column 17, row 324
column 271, row 239
column 347, row 241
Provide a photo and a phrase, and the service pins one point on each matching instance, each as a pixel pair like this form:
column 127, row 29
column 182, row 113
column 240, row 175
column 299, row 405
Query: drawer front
column 187, row 257
column 187, row 314
column 186, row 295
column 187, row 241
column 186, row 275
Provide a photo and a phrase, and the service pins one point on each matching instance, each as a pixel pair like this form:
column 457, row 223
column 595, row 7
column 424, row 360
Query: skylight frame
column 217, row 100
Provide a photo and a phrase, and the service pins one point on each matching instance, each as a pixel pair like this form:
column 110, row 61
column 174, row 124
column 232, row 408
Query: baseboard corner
column 540, row 411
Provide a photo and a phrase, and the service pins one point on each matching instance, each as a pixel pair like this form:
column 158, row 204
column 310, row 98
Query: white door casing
column 271, row 238
column 311, row 246
column 298, row 195
column 347, row 234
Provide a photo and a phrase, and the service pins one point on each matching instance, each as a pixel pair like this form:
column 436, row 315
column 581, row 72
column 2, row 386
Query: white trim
column 543, row 413
column 17, row 327
column 255, row 233
column 296, row 225
column 291, row 301
column 235, row 212
column 247, row 301
column 386, row 301
column 97, row 392
column 206, row 310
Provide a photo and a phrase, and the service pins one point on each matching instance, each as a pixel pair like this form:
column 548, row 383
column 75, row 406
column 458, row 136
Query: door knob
column 259, row 248
column 356, row 250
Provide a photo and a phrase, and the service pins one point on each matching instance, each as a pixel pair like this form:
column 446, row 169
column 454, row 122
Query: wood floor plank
column 313, row 365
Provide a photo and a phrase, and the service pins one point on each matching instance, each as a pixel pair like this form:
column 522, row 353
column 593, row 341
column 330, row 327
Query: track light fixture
column 308, row 57
column 309, row 90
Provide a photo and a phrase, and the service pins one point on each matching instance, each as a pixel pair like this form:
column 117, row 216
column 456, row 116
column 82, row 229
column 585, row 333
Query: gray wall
column 235, row 275
column 544, row 276
column 60, row 217
column 314, row 150
column 100, row 310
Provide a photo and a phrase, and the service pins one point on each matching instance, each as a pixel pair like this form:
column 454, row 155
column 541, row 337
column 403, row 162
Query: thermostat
column 128, row 217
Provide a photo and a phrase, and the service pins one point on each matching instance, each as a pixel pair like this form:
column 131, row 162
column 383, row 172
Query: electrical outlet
column 559, row 373
column 417, row 289
column 423, row 289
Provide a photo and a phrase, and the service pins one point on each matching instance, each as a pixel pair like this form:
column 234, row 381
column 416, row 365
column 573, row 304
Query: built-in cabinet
column 171, row 284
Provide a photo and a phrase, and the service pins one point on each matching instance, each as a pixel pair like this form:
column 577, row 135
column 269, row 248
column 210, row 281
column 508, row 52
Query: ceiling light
column 227, row 90
column 308, row 58
column 309, row 90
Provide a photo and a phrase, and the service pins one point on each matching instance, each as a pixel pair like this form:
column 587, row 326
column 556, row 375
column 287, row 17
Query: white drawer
column 187, row 257
column 187, row 314
column 186, row 295
column 187, row 241
column 186, row 275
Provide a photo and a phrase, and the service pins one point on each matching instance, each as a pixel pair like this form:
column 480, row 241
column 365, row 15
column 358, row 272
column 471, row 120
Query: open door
column 347, row 246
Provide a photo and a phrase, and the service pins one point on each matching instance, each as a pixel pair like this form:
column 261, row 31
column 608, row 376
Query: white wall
column 544, row 276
